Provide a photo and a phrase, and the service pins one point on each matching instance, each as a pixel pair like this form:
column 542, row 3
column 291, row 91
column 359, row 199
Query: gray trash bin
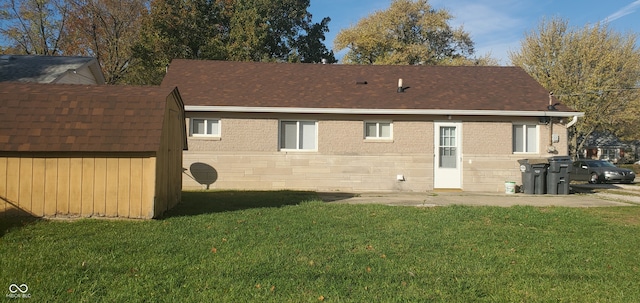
column 534, row 173
column 558, row 177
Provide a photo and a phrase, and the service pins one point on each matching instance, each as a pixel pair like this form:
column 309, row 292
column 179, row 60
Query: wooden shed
column 86, row 150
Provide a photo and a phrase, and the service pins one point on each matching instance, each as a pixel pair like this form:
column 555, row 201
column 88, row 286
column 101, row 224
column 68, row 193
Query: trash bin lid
column 538, row 161
column 559, row 158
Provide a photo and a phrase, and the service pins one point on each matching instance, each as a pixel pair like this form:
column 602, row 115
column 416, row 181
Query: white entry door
column 447, row 171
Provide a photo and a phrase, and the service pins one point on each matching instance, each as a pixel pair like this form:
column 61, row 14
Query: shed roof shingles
column 256, row 84
column 79, row 118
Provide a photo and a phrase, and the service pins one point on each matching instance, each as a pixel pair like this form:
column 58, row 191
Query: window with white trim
column 377, row 130
column 298, row 135
column 205, row 127
column 525, row 138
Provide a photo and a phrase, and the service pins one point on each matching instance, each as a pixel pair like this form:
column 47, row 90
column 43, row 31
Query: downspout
column 575, row 141
column 572, row 122
column 551, row 148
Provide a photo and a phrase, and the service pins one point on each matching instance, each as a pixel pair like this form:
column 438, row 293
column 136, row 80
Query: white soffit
column 363, row 111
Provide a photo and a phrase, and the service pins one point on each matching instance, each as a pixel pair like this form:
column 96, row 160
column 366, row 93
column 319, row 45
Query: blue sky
column 496, row 26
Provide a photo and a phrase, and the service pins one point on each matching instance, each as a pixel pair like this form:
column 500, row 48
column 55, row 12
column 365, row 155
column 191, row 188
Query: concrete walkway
column 586, row 195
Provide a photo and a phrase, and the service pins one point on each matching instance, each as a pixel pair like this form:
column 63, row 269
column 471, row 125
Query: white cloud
column 629, row 9
column 482, row 19
column 496, row 26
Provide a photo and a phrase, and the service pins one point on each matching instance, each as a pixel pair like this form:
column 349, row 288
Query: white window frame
column 378, row 136
column 206, row 124
column 299, row 124
column 524, row 135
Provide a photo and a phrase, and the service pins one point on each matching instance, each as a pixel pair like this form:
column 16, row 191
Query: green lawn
column 285, row 247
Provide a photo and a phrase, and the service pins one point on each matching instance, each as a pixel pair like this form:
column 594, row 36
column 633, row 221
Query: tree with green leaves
column 266, row 30
column 186, row 29
column 309, row 48
column 408, row 32
column 34, row 27
column 593, row 69
column 238, row 30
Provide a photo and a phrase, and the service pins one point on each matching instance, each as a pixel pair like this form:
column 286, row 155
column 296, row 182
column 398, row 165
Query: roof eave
column 94, row 67
column 375, row 111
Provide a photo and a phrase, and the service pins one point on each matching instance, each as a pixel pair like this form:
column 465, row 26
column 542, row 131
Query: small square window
column 377, row 130
column 205, row 127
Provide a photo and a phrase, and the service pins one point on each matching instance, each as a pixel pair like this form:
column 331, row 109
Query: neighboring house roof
column 46, row 69
column 333, row 88
column 604, row 139
column 81, row 118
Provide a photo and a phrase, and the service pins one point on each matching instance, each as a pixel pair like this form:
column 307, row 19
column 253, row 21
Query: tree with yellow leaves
column 33, row 27
column 593, row 69
column 408, row 32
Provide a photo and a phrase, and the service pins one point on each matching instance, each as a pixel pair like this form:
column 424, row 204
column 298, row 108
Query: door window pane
column 448, row 147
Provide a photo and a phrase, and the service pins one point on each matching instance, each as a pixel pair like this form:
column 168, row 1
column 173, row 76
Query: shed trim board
column 59, row 154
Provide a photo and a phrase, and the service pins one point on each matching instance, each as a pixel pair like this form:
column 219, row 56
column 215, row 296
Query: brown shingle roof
column 81, row 118
column 254, row 84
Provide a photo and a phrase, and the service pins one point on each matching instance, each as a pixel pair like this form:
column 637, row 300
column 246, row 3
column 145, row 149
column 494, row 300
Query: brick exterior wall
column 246, row 156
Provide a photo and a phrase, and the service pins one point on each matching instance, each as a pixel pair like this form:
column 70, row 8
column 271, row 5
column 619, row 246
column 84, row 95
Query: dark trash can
column 558, row 177
column 534, row 173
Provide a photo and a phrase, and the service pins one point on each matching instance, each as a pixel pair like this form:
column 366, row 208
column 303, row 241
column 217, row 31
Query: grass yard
column 286, row 247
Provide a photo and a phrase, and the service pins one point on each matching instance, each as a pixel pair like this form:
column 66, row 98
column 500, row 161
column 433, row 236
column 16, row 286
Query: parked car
column 598, row 171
